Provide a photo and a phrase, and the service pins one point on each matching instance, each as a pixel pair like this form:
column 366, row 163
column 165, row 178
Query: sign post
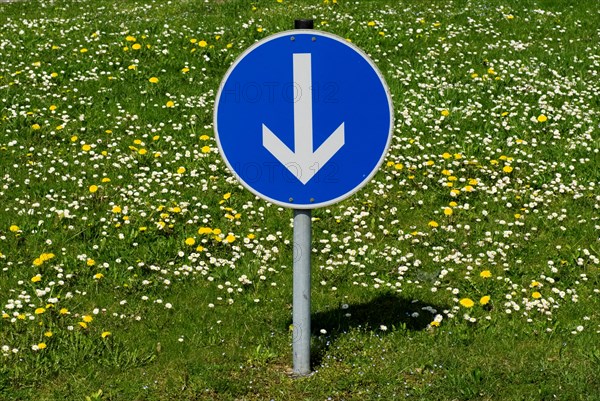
column 303, row 119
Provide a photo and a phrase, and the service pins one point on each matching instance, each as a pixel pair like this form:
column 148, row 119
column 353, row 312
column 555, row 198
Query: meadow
column 133, row 266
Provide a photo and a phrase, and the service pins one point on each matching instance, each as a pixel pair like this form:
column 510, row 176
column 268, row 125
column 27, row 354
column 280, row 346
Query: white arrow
column 304, row 162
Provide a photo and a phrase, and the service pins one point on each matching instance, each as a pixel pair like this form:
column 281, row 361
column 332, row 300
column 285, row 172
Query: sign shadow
column 384, row 314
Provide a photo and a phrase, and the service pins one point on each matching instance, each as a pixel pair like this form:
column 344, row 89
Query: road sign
column 303, row 119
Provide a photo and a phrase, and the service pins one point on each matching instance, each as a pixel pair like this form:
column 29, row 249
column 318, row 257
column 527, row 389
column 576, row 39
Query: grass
column 489, row 194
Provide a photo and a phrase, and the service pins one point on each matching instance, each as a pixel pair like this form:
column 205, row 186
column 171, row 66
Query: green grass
column 170, row 321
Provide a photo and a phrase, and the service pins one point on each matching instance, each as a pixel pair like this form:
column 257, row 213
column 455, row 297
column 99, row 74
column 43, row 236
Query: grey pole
column 302, row 251
column 301, row 306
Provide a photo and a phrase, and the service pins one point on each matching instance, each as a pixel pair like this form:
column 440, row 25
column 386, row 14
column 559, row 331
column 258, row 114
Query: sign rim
column 343, row 41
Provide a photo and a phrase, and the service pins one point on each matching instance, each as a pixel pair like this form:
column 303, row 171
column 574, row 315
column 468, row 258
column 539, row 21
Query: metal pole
column 301, row 306
column 302, row 251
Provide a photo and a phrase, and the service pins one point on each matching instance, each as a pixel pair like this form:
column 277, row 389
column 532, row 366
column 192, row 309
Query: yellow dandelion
column 542, row 118
column 98, row 276
column 48, row 334
column 39, row 311
column 36, row 278
column 170, row 104
column 153, row 80
column 86, row 148
column 136, row 46
column 64, row 311
column 445, row 113
column 83, row 50
column 93, row 188
column 435, row 324
column 485, row 274
column 14, row 228
column 35, row 127
column 105, row 334
column 536, row 295
column 41, row 345
column 190, row 241
column 484, row 300
column 204, row 137
column 230, row 238
column 467, row 302
column 90, row 262
column 205, row 230
column 433, row 224
column 83, row 324
column 87, row 318
column 205, row 149
column 448, row 211
column 227, row 195
column 130, row 38
column 202, row 43
column 185, row 70
column 507, row 169
column 181, row 170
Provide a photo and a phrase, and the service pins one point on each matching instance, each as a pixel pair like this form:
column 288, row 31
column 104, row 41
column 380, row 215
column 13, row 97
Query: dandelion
column 116, row 209
column 35, row 127
column 98, row 276
column 445, row 113
column 202, row 43
column 105, row 334
column 93, row 188
column 14, row 228
column 130, row 39
column 485, row 274
column 153, row 80
column 536, row 295
column 39, row 311
column 542, row 118
column 64, row 311
column 205, row 149
column 41, row 345
column 507, row 169
column 181, row 170
column 371, row 23
column 90, row 262
column 37, row 277
column 435, row 324
column 83, row 50
column 448, row 211
column 83, row 325
column 185, row 70
column 136, row 46
column 230, row 238
column 86, row 148
column 467, row 302
column 484, row 300
column 190, row 241
column 433, row 224
column 87, row 318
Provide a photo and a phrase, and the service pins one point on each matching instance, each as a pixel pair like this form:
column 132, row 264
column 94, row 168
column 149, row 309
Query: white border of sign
column 317, row 33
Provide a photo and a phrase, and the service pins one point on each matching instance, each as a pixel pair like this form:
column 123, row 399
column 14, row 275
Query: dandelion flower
column 98, row 276
column 448, row 211
column 105, row 334
column 35, row 127
column 170, row 104
column 467, row 302
column 64, row 311
column 41, row 345
column 136, row 46
column 507, row 169
column 542, row 118
column 445, row 113
column 39, row 311
column 536, row 295
column 116, row 209
column 484, row 300
column 205, row 149
column 86, row 148
column 93, row 188
column 202, row 43
column 36, row 278
column 181, row 170
column 153, row 80
column 90, row 262
column 230, row 238
column 87, row 318
column 14, row 228
column 190, row 241
column 485, row 274
column 433, row 224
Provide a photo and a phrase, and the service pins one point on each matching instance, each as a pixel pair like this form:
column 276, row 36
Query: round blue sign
column 303, row 119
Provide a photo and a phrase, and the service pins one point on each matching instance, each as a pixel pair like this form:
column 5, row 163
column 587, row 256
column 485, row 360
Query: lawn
column 133, row 265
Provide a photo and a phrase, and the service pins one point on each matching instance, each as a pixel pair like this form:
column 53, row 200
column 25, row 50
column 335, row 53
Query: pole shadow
column 389, row 310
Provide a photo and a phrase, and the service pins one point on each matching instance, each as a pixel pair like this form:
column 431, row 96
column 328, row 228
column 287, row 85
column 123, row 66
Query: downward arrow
column 304, row 162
